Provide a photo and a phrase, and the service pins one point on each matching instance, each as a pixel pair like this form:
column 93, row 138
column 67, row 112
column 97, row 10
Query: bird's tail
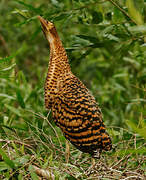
column 106, row 142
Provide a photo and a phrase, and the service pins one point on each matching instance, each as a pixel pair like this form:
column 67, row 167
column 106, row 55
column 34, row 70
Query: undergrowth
column 106, row 44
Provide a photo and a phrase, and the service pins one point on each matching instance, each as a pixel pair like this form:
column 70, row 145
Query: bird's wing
column 79, row 116
column 75, row 107
column 78, row 97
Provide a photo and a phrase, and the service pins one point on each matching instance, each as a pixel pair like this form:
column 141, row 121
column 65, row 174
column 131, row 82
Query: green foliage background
column 106, row 44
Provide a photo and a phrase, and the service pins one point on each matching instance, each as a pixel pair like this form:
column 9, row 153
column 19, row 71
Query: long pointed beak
column 49, row 30
column 44, row 24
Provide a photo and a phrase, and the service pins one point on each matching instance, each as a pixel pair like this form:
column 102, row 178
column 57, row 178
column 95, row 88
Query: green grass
column 106, row 46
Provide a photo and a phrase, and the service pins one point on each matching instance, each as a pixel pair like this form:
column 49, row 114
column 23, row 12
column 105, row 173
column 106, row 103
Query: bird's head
column 48, row 29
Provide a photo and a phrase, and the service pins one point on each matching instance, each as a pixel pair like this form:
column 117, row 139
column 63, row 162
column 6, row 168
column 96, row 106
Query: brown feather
column 74, row 109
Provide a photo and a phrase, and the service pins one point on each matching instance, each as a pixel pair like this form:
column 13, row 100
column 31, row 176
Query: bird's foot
column 96, row 154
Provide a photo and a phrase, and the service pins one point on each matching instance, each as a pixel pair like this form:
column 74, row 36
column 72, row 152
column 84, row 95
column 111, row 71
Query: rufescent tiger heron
column 73, row 107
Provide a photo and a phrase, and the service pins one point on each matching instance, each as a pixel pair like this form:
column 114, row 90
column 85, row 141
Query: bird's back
column 76, row 112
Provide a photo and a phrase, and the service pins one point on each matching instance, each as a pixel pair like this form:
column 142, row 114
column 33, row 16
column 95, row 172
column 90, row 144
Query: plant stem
column 122, row 10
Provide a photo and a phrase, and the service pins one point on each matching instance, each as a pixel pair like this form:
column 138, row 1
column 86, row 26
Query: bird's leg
column 93, row 162
column 97, row 154
column 67, row 151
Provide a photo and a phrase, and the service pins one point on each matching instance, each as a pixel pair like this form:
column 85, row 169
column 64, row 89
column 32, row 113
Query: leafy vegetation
column 106, row 45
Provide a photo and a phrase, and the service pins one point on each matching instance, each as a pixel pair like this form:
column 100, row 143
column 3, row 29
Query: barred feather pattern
column 76, row 112
column 73, row 107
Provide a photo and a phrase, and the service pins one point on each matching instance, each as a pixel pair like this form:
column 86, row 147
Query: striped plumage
column 74, row 109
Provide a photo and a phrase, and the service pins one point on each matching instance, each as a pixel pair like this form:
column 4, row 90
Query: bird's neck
column 58, row 58
column 58, row 54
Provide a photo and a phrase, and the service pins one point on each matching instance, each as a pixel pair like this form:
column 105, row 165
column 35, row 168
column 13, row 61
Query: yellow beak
column 44, row 24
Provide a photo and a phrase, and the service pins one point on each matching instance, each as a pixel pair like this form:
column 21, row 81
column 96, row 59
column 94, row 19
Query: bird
column 73, row 107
